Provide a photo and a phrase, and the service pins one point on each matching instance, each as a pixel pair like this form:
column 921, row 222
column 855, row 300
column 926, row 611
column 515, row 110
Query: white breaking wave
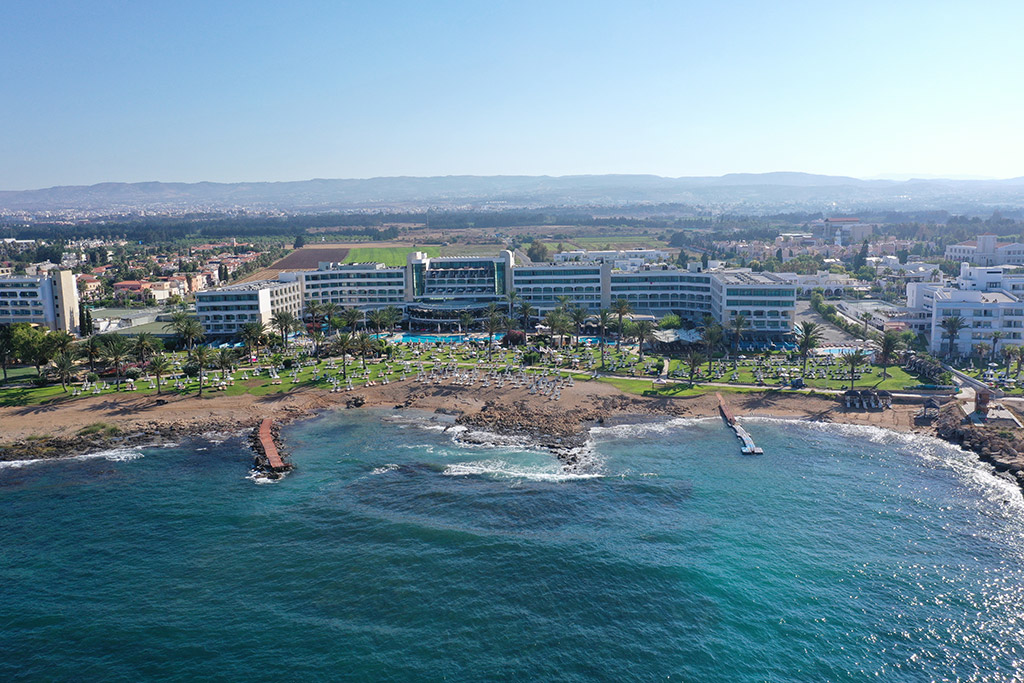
column 634, row 430
column 390, row 467
column 505, row 470
column 931, row 450
column 257, row 477
column 113, row 454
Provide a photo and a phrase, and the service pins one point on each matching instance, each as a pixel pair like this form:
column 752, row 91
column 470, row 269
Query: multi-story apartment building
column 224, row 310
column 988, row 299
column 767, row 301
column 352, row 285
column 48, row 300
column 987, row 251
column 662, row 289
column 586, row 284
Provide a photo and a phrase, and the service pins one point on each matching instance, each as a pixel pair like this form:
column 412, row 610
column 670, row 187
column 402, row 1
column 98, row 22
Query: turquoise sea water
column 394, row 553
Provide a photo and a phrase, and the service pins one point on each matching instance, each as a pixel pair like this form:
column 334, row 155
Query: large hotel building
column 49, row 300
column 434, row 293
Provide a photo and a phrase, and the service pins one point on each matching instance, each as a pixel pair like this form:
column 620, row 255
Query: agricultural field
column 389, row 256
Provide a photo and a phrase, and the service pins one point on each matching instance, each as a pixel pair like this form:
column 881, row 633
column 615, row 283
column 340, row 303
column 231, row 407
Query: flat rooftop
column 734, row 278
column 253, row 286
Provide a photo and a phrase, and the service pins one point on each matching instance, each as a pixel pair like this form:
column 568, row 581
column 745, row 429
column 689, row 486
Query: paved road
column 830, row 333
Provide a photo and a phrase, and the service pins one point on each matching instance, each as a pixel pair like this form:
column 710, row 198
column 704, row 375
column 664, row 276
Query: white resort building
column 436, row 293
column 989, row 299
column 223, row 311
column 49, row 300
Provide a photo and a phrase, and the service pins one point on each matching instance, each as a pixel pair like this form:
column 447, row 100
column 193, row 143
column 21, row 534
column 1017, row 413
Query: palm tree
column 556, row 321
column 854, row 359
column 865, row 318
column 466, row 322
column 7, row 347
column 344, row 344
column 284, row 321
column 952, row 326
column 492, row 325
column 160, row 365
column 644, row 334
column 525, row 311
column 317, row 338
column 604, row 317
column 253, row 335
column 1010, row 352
column 64, row 367
column 226, row 361
column 889, row 344
column 191, row 332
column 982, row 349
column 563, row 302
column 61, row 342
column 201, row 356
column 352, row 316
column 578, row 315
column 313, row 312
column 364, row 343
column 739, row 324
column 336, row 322
column 176, row 322
column 711, row 337
column 116, row 350
column 376, row 318
column 512, row 297
column 92, row 349
column 328, row 310
column 996, row 337
column 144, row 345
column 808, row 336
column 621, row 308
column 392, row 316
column 694, row 359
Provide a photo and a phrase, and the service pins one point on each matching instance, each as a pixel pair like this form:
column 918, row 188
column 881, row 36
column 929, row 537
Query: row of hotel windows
column 984, row 313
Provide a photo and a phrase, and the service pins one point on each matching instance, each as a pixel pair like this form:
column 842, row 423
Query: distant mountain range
column 749, row 192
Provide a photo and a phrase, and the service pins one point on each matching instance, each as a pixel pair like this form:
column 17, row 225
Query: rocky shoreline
column 996, row 446
column 559, row 427
column 152, row 434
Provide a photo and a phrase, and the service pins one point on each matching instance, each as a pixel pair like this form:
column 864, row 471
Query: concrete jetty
column 748, row 447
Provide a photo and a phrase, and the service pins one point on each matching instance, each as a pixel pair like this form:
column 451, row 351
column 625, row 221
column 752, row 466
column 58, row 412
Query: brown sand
column 500, row 408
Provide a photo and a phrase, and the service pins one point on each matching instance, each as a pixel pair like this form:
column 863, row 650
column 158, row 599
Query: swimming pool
column 443, row 338
column 841, row 350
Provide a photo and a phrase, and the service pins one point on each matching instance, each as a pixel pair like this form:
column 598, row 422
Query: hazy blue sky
column 185, row 91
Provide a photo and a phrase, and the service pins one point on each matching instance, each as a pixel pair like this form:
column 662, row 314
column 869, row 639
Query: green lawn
column 389, row 256
column 630, row 375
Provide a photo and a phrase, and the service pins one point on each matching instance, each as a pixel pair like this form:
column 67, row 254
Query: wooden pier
column 748, row 447
column 270, row 448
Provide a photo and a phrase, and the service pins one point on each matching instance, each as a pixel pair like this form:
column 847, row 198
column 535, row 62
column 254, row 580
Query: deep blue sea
column 393, row 552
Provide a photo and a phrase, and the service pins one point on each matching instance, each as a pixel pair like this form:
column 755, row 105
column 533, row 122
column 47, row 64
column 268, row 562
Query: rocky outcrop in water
column 998, row 446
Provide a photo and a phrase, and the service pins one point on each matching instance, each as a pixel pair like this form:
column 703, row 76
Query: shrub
column 514, row 338
column 190, row 369
column 92, row 377
column 133, row 373
column 40, row 381
column 531, row 358
column 101, row 428
column 287, row 363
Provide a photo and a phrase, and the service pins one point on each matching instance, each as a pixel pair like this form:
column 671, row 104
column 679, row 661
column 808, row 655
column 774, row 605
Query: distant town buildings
column 987, row 251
